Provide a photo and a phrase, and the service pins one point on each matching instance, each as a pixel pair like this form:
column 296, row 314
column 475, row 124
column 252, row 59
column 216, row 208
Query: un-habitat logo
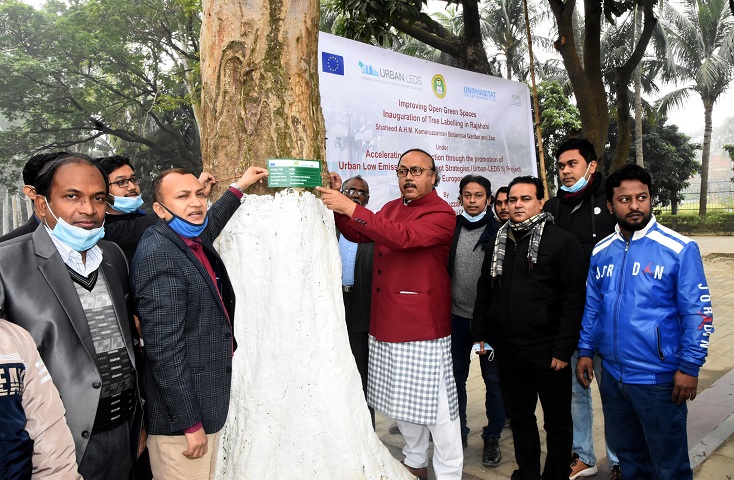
column 438, row 85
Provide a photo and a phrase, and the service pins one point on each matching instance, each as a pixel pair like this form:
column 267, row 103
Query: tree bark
column 297, row 408
column 585, row 75
column 621, row 86
column 639, row 153
column 708, row 107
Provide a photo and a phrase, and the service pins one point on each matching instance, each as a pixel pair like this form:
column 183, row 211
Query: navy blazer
column 185, row 324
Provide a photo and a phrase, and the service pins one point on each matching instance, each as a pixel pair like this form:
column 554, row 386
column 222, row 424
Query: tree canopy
column 100, row 76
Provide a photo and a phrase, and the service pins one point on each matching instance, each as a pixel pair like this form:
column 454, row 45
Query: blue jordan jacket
column 648, row 307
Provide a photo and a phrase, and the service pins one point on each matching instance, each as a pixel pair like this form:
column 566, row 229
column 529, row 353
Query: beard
column 634, row 226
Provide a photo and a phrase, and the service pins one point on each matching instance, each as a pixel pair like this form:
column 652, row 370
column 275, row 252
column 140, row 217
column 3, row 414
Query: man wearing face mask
column 126, row 221
column 579, row 207
column 186, row 305
column 69, row 289
column 475, row 229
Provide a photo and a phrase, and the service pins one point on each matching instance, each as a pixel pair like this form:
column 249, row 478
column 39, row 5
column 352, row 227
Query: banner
column 378, row 104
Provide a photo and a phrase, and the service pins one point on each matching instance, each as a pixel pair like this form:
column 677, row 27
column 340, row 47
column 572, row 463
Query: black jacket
column 127, row 229
column 485, row 242
column 586, row 217
column 358, row 320
column 533, row 312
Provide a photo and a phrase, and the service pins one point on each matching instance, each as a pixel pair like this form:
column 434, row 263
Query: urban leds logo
column 438, row 85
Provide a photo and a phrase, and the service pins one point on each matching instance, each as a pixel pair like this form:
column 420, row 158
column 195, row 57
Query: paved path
column 711, row 417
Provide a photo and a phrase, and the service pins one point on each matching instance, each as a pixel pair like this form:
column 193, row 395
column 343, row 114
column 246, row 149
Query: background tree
column 100, row 76
column 670, row 157
column 559, row 119
column 701, row 41
column 582, row 58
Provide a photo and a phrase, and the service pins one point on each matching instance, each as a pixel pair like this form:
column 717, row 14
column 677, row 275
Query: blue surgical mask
column 184, row 227
column 579, row 185
column 80, row 239
column 474, row 219
column 126, row 204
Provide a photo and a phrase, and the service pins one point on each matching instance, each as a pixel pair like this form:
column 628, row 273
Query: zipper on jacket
column 658, row 342
column 619, row 301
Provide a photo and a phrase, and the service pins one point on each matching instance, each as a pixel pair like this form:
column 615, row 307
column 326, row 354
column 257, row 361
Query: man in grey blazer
column 186, row 307
column 70, row 291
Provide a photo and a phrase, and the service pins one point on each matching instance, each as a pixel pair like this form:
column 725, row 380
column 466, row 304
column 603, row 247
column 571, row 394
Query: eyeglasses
column 125, row 181
column 414, row 171
column 353, row 191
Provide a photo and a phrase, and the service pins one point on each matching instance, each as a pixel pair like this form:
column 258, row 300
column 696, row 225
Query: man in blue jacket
column 648, row 315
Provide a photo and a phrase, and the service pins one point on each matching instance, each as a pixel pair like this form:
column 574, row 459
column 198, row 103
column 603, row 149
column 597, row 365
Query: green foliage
column 719, row 223
column 100, row 76
column 559, row 119
column 670, row 157
column 730, row 150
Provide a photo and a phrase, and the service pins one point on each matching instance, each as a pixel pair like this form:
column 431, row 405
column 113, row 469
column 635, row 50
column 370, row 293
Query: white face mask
column 580, row 183
column 80, row 239
column 474, row 219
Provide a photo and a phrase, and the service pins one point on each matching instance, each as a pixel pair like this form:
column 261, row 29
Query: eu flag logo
column 331, row 63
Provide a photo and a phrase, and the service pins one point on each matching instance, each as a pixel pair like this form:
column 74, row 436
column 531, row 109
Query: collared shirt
column 348, row 252
column 73, row 259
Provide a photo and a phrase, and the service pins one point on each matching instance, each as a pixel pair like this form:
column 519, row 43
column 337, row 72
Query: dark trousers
column 359, row 343
column 525, row 379
column 461, row 344
column 646, row 429
column 107, row 456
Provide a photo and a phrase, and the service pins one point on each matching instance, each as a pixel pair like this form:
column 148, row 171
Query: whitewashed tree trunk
column 297, row 408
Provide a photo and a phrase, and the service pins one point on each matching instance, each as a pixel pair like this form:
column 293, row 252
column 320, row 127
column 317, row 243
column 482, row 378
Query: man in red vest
column 410, row 374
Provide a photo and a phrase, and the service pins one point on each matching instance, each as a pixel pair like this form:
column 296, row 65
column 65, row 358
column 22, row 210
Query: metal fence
column 720, row 198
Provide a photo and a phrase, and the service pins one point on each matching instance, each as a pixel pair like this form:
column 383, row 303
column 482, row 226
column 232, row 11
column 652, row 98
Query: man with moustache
column 357, row 285
column 579, row 207
column 475, row 230
column 500, row 208
column 410, row 375
column 648, row 314
column 530, row 299
column 69, row 289
column 186, row 306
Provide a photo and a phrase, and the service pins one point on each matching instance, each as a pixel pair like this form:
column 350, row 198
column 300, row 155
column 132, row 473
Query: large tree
column 702, row 54
column 582, row 58
column 296, row 393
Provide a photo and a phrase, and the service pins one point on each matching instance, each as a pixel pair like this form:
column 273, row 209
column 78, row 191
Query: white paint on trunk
column 297, row 408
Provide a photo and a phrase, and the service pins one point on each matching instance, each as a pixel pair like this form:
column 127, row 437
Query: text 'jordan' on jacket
column 648, row 307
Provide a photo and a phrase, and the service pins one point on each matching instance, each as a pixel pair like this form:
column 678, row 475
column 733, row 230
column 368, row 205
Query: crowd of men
column 117, row 325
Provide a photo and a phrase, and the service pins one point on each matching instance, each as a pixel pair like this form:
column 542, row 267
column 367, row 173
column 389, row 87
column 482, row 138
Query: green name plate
column 293, row 172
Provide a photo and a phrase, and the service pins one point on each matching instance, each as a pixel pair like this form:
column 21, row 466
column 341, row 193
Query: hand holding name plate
column 334, row 199
column 252, row 175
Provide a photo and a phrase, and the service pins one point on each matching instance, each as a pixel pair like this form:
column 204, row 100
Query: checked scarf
column 536, row 223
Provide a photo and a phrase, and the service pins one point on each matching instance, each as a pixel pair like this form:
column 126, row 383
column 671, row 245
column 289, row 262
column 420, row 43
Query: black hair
column 483, row 181
column 539, row 189
column 585, row 148
column 158, row 181
column 48, row 172
column 505, row 190
column 630, row 171
column 34, row 165
column 113, row 162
